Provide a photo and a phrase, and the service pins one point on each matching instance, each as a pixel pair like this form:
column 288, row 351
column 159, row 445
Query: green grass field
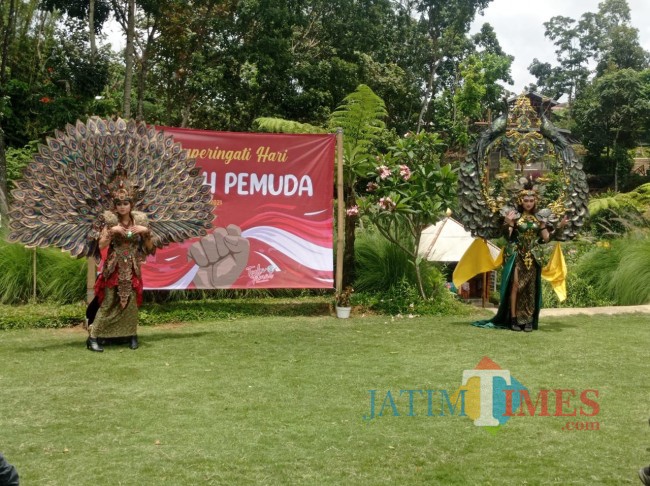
column 281, row 401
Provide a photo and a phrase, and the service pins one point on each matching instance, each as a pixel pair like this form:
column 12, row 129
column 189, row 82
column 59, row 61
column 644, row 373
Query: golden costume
column 119, row 286
column 67, row 199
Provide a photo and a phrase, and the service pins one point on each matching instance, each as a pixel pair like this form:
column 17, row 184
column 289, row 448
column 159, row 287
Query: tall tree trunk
column 142, row 73
column 6, row 39
column 128, row 58
column 349, row 264
column 615, row 154
column 144, row 69
column 428, row 94
column 4, row 199
column 416, row 263
column 91, row 31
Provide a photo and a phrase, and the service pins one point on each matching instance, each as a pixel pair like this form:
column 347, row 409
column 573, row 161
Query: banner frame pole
column 90, row 280
column 34, row 275
column 340, row 220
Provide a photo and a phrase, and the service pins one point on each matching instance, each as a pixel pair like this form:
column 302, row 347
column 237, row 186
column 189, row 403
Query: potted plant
column 343, row 306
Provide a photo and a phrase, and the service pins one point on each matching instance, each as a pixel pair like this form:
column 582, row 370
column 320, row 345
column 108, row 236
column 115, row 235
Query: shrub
column 51, row 315
column 619, row 270
column 59, row 277
column 41, row 316
column 579, row 294
column 16, row 273
column 404, row 299
column 381, row 265
column 613, row 217
column 62, row 278
column 630, row 283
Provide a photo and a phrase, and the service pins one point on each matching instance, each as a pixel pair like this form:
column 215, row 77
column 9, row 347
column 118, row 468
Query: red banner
column 272, row 196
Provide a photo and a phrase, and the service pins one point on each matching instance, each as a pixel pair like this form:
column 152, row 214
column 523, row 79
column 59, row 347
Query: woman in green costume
column 521, row 285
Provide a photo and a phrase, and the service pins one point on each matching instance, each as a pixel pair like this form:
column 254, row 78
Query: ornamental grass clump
column 619, row 269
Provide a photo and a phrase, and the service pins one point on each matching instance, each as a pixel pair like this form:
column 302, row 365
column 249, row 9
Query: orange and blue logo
column 490, row 396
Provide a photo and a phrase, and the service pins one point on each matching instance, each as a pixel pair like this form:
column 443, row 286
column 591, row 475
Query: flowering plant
column 352, row 211
column 408, row 190
column 343, row 298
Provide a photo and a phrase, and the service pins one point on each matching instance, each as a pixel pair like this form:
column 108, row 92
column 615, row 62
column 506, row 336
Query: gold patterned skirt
column 526, row 291
column 114, row 321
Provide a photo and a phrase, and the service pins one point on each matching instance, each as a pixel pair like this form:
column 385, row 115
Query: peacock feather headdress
column 520, row 149
column 76, row 176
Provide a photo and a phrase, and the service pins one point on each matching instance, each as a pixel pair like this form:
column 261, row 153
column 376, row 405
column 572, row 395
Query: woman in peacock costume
column 113, row 187
column 526, row 231
column 506, row 197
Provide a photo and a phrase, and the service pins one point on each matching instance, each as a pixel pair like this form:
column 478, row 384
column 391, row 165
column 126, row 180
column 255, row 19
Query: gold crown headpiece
column 527, row 187
column 527, row 193
column 120, row 187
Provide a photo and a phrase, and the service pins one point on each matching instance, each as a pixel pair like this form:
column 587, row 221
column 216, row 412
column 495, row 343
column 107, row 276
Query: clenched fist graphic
column 221, row 257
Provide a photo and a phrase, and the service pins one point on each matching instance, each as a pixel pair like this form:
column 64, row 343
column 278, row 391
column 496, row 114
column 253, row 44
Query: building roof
column 535, row 96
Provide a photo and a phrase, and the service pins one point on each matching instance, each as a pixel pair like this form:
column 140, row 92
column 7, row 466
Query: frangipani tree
column 410, row 190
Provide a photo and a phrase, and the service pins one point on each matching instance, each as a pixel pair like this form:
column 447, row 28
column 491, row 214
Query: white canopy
column 447, row 241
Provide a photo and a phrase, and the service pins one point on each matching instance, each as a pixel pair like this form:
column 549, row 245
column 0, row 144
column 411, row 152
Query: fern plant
column 612, row 215
column 361, row 116
column 280, row 125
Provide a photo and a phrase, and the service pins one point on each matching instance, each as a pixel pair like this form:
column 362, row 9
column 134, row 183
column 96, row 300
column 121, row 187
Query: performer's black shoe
column 528, row 327
column 91, row 343
column 644, row 475
column 513, row 324
column 134, row 342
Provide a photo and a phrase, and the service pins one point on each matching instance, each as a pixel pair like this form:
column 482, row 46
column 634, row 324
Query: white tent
column 447, row 241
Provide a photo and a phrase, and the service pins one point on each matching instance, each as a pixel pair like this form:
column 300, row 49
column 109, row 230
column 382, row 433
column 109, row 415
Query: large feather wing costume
column 524, row 133
column 64, row 192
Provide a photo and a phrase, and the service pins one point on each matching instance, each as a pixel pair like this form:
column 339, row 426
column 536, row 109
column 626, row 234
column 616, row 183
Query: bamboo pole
column 340, row 219
column 90, row 280
column 34, row 275
column 485, row 289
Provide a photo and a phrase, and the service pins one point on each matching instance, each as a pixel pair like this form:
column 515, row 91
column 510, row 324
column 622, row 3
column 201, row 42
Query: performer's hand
column 564, row 222
column 117, row 230
column 139, row 230
column 510, row 218
column 221, row 257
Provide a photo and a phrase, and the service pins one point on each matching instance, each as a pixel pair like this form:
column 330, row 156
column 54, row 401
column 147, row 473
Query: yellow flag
column 499, row 261
column 477, row 259
column 555, row 273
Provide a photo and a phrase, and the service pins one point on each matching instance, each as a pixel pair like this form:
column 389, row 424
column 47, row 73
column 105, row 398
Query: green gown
column 524, row 254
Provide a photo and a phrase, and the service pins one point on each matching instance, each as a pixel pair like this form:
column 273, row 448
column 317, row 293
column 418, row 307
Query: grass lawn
column 276, row 400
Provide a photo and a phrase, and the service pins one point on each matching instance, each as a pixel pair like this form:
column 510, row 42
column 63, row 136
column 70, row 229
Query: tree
column 410, row 191
column 469, row 88
column 573, row 71
column 610, row 116
column 609, row 38
column 361, row 116
column 444, row 22
column 604, row 38
column 479, row 91
column 125, row 13
column 6, row 39
column 551, row 81
column 94, row 12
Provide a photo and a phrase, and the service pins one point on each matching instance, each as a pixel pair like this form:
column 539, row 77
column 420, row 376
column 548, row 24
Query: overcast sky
column 520, row 30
